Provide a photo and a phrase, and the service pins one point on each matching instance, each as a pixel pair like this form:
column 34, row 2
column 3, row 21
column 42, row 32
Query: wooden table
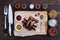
column 6, row 2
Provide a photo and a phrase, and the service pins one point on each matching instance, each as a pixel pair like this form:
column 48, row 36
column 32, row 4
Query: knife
column 10, row 18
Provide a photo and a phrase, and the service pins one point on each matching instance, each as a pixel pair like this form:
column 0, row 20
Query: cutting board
column 41, row 28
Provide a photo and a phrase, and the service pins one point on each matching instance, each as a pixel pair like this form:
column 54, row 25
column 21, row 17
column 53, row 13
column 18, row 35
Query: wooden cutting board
column 41, row 29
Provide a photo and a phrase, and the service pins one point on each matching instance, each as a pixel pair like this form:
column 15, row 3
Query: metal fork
column 5, row 16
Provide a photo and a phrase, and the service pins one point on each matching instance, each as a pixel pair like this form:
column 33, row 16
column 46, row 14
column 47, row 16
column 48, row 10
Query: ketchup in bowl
column 18, row 17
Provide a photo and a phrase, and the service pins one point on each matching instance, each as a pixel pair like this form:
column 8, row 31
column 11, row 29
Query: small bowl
column 52, row 22
column 24, row 6
column 17, row 5
column 52, row 31
column 31, row 6
column 37, row 6
column 52, row 14
column 18, row 27
column 18, row 17
column 45, row 6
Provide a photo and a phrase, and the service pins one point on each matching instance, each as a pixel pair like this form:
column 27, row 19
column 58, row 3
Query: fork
column 5, row 16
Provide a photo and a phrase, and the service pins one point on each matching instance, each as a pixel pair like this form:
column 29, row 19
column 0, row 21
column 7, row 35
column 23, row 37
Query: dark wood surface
column 6, row 2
